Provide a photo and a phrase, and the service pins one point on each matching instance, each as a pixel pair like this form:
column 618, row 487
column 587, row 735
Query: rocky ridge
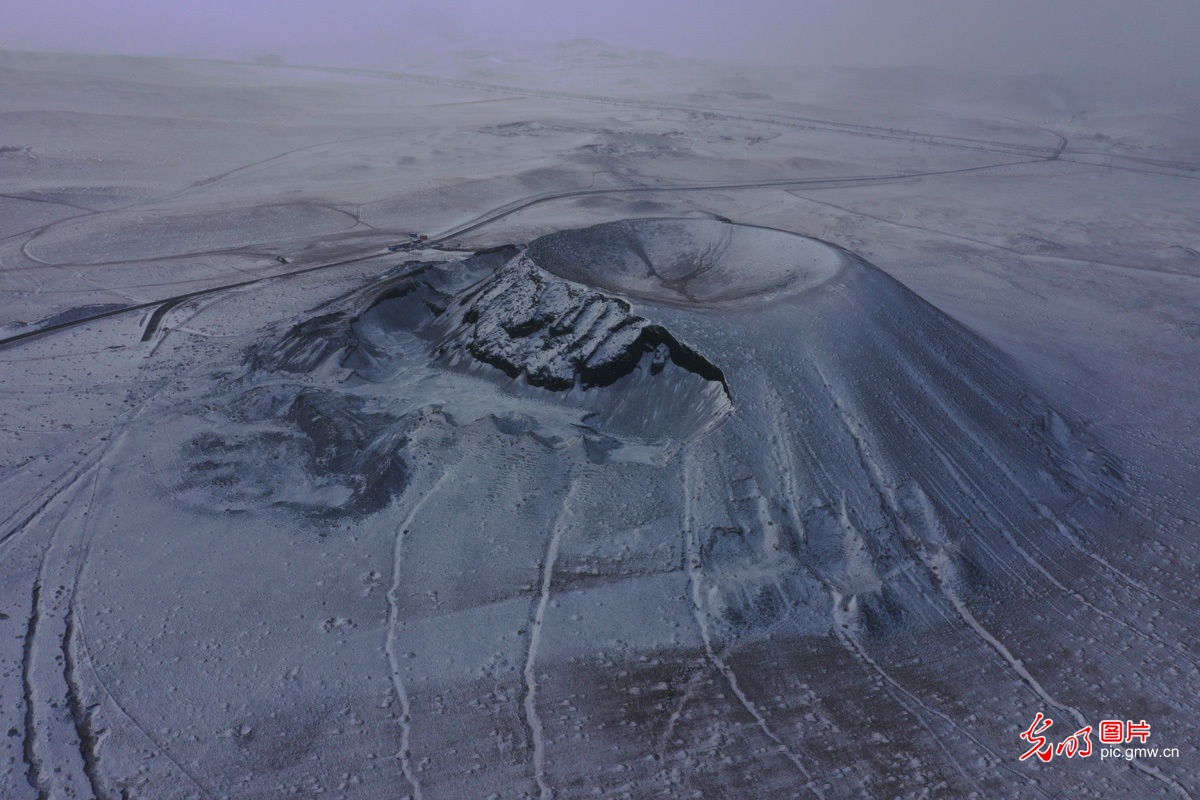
column 559, row 334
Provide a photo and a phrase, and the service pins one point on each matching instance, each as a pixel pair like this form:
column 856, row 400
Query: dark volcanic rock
column 325, row 454
column 305, row 347
column 559, row 334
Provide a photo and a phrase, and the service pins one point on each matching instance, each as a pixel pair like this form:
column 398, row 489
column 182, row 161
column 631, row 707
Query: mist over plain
column 1108, row 45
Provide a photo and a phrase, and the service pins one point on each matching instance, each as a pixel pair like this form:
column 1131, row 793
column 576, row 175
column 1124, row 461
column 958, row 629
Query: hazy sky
column 1150, row 38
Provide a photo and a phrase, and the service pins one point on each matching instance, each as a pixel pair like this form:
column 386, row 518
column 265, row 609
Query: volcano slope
column 657, row 508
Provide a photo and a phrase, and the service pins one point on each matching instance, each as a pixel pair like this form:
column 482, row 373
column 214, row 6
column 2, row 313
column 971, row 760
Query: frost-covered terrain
column 733, row 433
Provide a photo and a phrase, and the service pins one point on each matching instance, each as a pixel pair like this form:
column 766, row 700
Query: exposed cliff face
column 559, row 334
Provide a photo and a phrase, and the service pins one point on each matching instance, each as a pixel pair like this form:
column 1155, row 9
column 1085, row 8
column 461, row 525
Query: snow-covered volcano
column 849, row 459
column 878, row 452
column 678, row 505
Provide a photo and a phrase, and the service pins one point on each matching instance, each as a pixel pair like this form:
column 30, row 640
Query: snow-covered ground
column 682, row 506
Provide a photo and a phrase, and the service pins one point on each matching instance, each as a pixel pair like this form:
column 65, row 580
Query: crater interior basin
column 693, row 262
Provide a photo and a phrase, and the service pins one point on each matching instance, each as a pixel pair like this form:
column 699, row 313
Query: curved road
column 1030, row 153
column 164, row 305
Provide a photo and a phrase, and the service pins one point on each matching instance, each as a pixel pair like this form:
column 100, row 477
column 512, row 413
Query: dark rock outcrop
column 559, row 334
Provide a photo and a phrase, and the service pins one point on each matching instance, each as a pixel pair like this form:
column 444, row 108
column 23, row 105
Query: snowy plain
column 291, row 515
